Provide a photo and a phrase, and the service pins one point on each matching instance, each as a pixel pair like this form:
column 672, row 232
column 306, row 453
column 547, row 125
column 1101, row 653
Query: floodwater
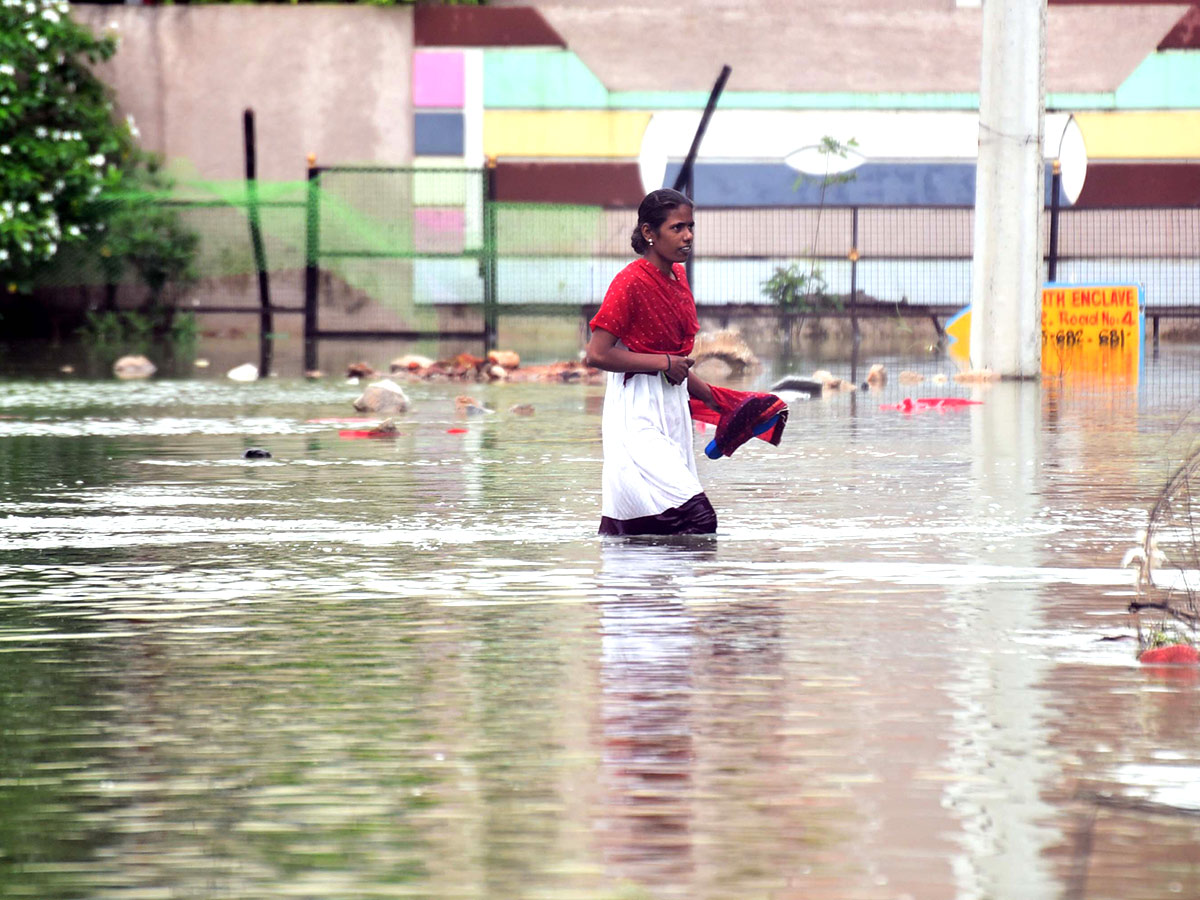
column 408, row 668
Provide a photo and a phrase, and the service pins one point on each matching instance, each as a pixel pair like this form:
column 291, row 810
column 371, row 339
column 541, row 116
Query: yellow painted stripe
column 564, row 133
column 1141, row 135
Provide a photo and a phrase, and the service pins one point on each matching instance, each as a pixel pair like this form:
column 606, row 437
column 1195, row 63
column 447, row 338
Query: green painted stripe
column 1166, row 80
column 539, row 79
column 776, row 100
column 1079, row 102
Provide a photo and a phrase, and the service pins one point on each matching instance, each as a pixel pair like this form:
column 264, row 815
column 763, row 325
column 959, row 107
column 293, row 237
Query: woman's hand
column 677, row 368
column 603, row 353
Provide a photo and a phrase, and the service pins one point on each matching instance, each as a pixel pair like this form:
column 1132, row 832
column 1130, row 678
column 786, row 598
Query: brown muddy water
column 408, row 668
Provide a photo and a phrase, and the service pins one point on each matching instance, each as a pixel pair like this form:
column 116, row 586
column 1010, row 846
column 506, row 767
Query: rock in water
column 385, row 397
column 244, row 372
column 138, row 366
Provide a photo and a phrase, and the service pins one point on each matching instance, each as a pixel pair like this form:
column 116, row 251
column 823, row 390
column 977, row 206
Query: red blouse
column 648, row 311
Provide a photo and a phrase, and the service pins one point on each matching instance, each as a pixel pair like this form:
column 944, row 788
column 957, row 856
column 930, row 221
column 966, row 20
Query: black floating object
column 799, row 385
column 256, row 453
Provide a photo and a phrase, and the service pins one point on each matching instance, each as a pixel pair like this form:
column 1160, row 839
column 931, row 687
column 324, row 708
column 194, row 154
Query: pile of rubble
column 498, row 365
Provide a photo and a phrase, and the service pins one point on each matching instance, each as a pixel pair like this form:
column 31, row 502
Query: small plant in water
column 1171, row 545
column 1164, row 634
column 801, row 287
column 797, row 290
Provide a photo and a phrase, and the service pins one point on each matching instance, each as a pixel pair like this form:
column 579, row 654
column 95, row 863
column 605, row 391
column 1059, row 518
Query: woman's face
column 673, row 238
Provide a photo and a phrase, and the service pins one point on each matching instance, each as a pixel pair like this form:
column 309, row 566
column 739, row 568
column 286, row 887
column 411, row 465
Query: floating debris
column 133, row 366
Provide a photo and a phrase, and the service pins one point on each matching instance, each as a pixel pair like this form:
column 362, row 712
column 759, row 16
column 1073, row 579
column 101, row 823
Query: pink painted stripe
column 438, row 229
column 438, row 80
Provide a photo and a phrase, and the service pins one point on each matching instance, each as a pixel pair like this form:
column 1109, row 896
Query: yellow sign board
column 1087, row 329
column 1092, row 329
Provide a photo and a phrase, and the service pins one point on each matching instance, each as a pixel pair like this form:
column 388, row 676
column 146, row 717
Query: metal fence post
column 1055, row 184
column 266, row 325
column 853, row 257
column 311, row 268
column 491, row 325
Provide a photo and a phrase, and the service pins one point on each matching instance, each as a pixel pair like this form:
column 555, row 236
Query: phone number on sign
column 1077, row 337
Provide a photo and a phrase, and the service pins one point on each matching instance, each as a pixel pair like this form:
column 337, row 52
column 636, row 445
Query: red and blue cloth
column 740, row 416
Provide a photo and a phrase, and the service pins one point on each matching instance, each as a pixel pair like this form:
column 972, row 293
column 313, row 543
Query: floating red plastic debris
column 456, row 431
column 908, row 404
column 1175, row 653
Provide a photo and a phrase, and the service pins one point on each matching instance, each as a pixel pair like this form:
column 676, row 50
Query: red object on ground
column 456, row 431
column 352, row 434
column 1175, row 653
column 908, row 404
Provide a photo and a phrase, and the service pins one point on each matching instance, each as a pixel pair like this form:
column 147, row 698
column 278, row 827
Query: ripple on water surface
column 409, row 668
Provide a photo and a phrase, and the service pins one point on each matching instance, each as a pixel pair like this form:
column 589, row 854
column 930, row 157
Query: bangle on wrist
column 667, row 357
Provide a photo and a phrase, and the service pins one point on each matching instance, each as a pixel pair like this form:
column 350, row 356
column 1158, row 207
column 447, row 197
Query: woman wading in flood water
column 642, row 336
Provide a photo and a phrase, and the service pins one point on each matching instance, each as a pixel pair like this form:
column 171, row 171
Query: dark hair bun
column 638, row 242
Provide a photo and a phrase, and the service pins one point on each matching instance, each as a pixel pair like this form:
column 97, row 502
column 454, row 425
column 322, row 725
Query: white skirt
column 649, row 459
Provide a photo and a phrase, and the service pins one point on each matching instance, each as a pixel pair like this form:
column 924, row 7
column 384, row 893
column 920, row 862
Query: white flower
column 3, row 255
column 113, row 26
column 41, row 132
column 41, row 43
column 22, row 207
column 74, row 231
column 45, row 197
column 5, row 149
column 50, row 15
column 51, row 248
column 133, row 129
column 43, row 67
column 6, row 69
column 96, row 159
column 4, row 100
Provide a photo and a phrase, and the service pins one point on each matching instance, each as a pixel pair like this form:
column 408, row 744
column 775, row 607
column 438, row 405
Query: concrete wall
column 329, row 80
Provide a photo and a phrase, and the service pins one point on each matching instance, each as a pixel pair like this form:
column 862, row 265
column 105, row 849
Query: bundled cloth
column 739, row 416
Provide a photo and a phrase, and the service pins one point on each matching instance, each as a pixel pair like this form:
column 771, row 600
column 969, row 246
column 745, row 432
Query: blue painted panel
column 438, row 134
column 774, row 184
column 885, row 184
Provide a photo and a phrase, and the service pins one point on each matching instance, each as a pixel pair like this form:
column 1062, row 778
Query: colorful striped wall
column 500, row 83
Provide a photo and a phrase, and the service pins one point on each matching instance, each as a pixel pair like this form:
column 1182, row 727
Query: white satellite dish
column 815, row 161
column 1073, row 160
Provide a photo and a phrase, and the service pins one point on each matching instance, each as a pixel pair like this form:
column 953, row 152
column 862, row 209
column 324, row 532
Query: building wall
column 331, row 80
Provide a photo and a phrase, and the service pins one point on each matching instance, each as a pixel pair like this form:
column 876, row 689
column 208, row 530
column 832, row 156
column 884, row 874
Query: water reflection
column 694, row 729
column 1000, row 716
column 648, row 644
column 409, row 668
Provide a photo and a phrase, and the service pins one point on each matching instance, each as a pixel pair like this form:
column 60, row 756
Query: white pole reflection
column 998, row 749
